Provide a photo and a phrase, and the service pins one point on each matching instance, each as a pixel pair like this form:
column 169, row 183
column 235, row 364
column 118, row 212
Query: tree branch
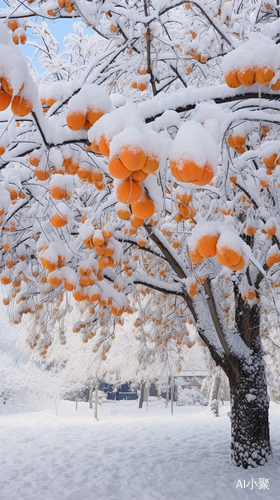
column 215, row 318
column 204, row 13
column 173, row 263
column 219, row 100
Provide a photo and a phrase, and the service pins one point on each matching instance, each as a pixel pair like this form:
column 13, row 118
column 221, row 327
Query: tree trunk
column 146, row 394
column 214, row 401
column 167, row 393
column 90, row 396
column 250, row 442
column 141, row 397
column 172, row 394
column 176, row 393
column 96, row 400
column 245, row 368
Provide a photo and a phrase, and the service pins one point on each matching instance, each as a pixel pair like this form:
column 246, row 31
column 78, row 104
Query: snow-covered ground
column 130, row 454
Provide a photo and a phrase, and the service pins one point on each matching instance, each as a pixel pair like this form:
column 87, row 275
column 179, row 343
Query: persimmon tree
column 139, row 174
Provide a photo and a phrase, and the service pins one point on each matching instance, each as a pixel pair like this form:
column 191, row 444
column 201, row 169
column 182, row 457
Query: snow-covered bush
column 24, row 386
column 191, row 396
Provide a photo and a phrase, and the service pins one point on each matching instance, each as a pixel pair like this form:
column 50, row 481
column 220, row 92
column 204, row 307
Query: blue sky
column 60, row 28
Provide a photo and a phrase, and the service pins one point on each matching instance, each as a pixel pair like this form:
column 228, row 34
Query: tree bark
column 90, row 396
column 141, row 397
column 167, row 393
column 176, row 393
column 243, row 363
column 250, row 444
column 214, row 401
